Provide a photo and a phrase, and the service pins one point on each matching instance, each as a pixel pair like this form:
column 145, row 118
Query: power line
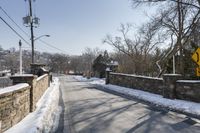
column 14, row 22
column 52, row 46
column 14, row 31
column 40, row 48
column 43, row 49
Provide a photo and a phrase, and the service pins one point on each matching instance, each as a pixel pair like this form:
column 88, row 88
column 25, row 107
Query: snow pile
column 178, row 105
column 45, row 118
column 81, row 78
column 92, row 80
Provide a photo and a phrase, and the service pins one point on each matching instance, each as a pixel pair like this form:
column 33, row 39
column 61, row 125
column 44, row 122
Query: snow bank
column 178, row 105
column 45, row 118
column 91, row 80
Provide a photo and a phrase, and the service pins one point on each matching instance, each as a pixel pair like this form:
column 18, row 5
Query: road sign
column 198, row 71
column 196, row 56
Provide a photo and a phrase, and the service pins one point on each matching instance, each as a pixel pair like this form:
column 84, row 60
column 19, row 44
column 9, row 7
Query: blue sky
column 72, row 24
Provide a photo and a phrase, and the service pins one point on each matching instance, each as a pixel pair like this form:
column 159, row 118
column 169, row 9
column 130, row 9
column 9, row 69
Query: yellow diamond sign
column 196, row 56
column 198, row 71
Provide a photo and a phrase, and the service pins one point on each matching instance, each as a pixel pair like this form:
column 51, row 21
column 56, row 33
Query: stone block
column 5, row 125
column 169, row 81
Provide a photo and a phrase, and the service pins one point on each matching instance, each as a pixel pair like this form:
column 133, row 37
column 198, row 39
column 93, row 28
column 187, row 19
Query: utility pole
column 30, row 21
column 20, row 57
column 31, row 25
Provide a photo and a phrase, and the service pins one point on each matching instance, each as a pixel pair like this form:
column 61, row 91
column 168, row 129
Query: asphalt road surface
column 89, row 110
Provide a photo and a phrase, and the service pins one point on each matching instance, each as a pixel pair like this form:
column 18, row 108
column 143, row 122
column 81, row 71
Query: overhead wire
column 4, row 11
column 15, row 31
column 14, row 22
column 52, row 46
column 42, row 49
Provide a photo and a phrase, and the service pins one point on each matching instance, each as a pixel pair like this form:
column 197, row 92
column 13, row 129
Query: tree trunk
column 179, row 38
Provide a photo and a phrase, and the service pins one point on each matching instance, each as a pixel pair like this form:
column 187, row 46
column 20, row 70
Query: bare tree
column 178, row 18
column 59, row 63
column 138, row 48
column 193, row 3
column 88, row 56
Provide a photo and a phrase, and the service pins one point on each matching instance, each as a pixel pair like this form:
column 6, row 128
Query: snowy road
column 89, row 110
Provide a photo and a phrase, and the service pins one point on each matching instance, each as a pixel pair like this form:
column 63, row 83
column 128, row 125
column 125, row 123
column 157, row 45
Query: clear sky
column 72, row 25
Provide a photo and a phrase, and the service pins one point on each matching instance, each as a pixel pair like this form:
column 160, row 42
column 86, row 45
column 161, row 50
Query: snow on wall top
column 172, row 74
column 137, row 76
column 23, row 75
column 188, row 81
column 39, row 78
column 13, row 88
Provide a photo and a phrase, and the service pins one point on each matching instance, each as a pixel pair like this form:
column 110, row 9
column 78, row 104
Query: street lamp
column 41, row 37
column 34, row 39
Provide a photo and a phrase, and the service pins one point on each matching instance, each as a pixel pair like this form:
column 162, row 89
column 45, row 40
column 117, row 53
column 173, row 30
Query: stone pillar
column 108, row 75
column 31, row 80
column 169, row 81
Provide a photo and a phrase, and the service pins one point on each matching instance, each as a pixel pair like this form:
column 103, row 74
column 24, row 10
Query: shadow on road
column 61, row 120
column 93, row 110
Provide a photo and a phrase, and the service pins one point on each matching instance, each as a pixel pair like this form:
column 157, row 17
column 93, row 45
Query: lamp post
column 31, row 22
column 33, row 40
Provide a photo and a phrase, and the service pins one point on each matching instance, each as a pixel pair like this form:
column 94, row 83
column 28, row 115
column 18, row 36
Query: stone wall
column 14, row 105
column 170, row 86
column 40, row 86
column 154, row 85
column 188, row 90
column 19, row 100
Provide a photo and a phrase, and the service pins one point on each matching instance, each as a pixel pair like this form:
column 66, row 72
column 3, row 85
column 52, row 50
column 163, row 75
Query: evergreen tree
column 100, row 64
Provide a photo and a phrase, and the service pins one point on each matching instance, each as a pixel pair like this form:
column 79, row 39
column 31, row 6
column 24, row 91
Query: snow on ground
column 92, row 80
column 178, row 105
column 45, row 118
